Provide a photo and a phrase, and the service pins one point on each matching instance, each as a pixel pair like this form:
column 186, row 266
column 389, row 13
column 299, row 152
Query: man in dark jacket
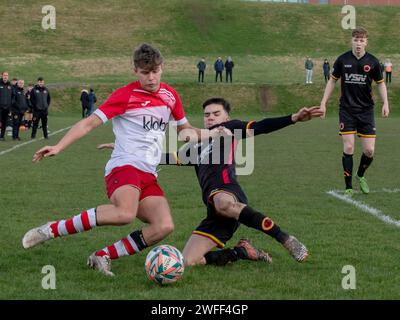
column 5, row 102
column 228, row 68
column 326, row 67
column 28, row 115
column 202, row 67
column 40, row 99
column 18, row 108
column 84, row 102
column 92, row 101
column 218, row 67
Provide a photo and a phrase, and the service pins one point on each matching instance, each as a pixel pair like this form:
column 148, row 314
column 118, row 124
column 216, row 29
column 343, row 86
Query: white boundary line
column 31, row 141
column 383, row 190
column 366, row 208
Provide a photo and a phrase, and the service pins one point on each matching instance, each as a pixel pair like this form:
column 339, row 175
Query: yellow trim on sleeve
column 249, row 124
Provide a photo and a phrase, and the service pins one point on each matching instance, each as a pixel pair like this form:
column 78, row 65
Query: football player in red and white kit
column 140, row 112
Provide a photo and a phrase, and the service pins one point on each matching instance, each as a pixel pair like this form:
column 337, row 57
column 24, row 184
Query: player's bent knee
column 165, row 228
column 126, row 217
column 224, row 207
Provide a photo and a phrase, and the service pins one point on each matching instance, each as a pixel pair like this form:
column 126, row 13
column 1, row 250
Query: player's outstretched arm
column 268, row 125
column 330, row 86
column 188, row 133
column 79, row 130
column 383, row 93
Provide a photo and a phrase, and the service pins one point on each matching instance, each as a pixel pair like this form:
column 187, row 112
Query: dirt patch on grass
column 267, row 99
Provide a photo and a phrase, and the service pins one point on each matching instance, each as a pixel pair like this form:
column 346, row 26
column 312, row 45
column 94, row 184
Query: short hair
column 14, row 79
column 221, row 101
column 147, row 57
column 359, row 32
column 40, row 79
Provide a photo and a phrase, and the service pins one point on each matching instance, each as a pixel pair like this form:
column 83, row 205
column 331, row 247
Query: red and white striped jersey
column 140, row 119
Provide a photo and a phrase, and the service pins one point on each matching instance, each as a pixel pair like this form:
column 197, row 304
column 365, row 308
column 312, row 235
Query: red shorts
column 129, row 175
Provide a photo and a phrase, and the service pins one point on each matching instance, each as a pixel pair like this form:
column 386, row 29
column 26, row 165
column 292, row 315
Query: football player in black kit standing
column 357, row 69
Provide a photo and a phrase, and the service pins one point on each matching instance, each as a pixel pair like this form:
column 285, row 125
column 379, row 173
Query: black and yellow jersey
column 214, row 160
column 356, row 77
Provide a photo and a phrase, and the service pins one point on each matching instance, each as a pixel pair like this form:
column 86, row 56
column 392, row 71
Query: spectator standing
column 327, row 68
column 40, row 99
column 28, row 115
column 309, row 69
column 202, row 67
column 388, row 71
column 18, row 108
column 84, row 102
column 228, row 68
column 218, row 67
column 92, row 101
column 5, row 102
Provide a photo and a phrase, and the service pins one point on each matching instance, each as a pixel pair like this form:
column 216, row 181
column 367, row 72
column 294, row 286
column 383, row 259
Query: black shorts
column 216, row 228
column 360, row 123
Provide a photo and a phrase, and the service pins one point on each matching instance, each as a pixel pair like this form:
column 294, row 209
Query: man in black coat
column 202, row 67
column 18, row 108
column 40, row 99
column 84, row 102
column 5, row 102
column 228, row 68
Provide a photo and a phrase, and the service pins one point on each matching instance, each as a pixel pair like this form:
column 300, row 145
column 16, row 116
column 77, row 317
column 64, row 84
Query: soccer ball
column 164, row 264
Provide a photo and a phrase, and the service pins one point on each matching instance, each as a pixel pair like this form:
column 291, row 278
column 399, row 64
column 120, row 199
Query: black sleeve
column 376, row 72
column 237, row 127
column 13, row 99
column 33, row 99
column 267, row 125
column 337, row 69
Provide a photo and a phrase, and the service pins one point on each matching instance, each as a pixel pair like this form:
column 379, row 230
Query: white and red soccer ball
column 164, row 264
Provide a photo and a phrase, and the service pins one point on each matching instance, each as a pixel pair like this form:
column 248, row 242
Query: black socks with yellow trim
column 365, row 162
column 347, row 161
column 257, row 220
column 224, row 256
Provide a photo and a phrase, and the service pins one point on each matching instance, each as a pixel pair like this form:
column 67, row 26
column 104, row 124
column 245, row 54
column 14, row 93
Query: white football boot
column 102, row 264
column 296, row 249
column 37, row 235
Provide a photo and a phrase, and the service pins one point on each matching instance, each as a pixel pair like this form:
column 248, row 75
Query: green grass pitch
column 294, row 168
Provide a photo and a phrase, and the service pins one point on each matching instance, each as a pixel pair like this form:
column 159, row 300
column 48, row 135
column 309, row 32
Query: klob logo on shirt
column 367, row 68
column 154, row 124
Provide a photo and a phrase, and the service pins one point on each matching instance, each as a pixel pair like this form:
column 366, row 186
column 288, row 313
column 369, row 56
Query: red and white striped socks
column 128, row 246
column 79, row 223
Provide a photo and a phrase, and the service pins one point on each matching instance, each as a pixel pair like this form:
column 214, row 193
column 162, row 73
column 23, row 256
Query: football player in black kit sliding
column 227, row 205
